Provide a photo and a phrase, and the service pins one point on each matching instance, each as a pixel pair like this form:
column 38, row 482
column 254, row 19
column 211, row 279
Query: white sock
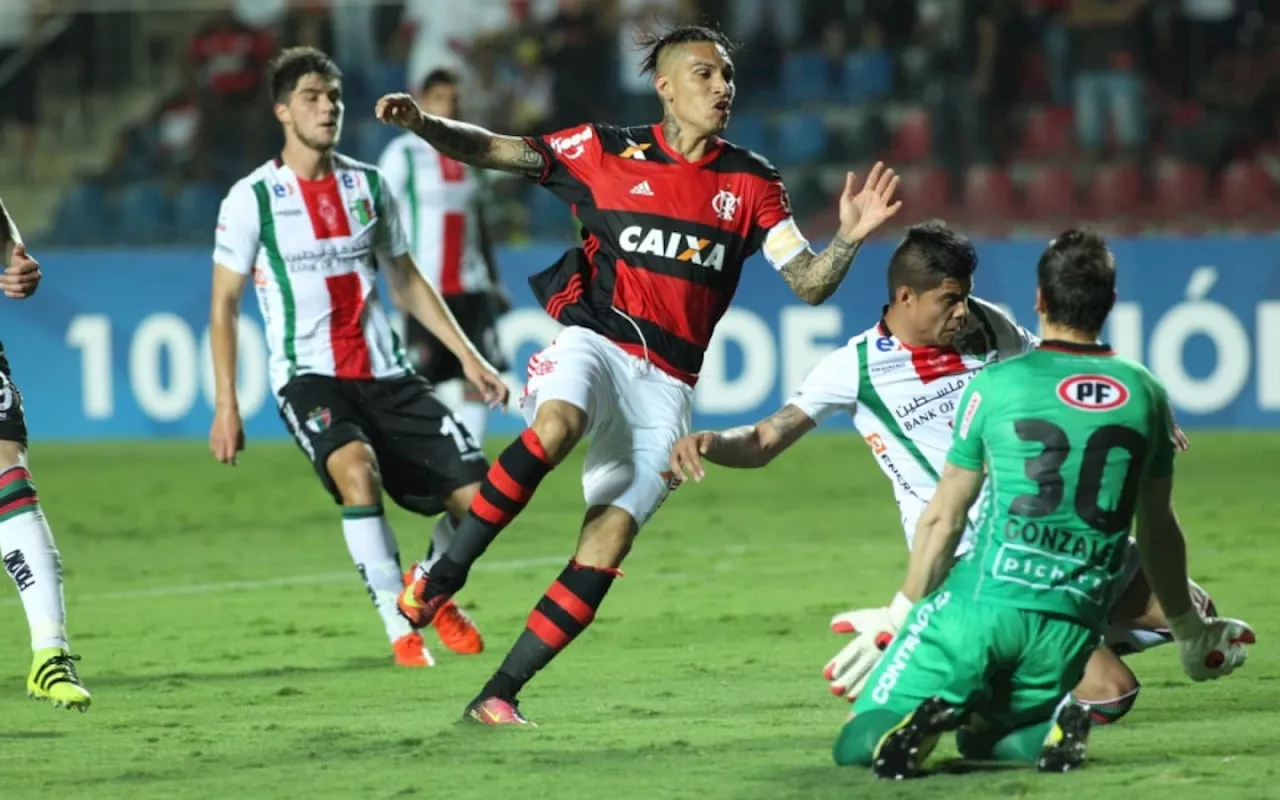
column 372, row 545
column 474, row 416
column 32, row 559
column 441, row 536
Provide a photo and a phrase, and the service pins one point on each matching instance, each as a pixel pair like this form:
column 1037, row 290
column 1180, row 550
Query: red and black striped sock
column 563, row 612
column 505, row 492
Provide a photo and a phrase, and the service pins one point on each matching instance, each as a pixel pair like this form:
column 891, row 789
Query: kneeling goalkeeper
column 1076, row 441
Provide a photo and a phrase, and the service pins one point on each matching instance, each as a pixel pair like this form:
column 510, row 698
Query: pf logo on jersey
column 1093, row 392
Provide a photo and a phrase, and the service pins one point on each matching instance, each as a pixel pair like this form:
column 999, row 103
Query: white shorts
column 635, row 414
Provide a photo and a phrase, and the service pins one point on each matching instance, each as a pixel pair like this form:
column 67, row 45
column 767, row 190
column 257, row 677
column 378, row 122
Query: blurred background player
column 1075, row 440
column 670, row 213
column 26, row 544
column 314, row 228
column 899, row 381
column 441, row 203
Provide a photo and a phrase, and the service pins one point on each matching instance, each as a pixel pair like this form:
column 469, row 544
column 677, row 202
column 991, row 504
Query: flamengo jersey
column 314, row 248
column 1067, row 435
column 903, row 399
column 664, row 239
column 437, row 198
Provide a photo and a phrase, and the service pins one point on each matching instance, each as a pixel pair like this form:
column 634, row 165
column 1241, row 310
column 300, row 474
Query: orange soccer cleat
column 411, row 651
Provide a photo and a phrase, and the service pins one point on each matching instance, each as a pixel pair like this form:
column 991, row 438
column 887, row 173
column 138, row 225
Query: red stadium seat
column 1051, row 194
column 1116, row 191
column 925, row 193
column 1244, row 189
column 1180, row 189
column 1047, row 132
column 988, row 194
column 912, row 138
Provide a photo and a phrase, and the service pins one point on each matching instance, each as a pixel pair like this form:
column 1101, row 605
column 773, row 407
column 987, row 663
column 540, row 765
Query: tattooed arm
column 747, row 447
column 462, row 141
column 815, row 276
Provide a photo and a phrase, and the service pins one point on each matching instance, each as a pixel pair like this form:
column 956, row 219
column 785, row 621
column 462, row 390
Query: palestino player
column 900, row 381
column 670, row 214
column 1075, row 442
column 313, row 229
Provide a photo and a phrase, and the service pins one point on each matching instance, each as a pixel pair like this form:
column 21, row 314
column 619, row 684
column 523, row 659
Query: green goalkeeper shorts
column 1010, row 665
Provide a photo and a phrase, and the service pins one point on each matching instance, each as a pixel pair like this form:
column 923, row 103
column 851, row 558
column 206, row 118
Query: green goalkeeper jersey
column 1066, row 434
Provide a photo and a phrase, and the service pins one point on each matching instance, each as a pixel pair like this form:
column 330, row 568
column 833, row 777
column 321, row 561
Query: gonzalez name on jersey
column 903, row 398
column 314, row 249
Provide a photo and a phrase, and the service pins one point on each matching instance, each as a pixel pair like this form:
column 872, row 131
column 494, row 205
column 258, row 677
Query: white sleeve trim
column 783, row 243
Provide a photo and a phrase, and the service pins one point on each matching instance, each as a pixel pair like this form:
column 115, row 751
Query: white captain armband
column 784, row 242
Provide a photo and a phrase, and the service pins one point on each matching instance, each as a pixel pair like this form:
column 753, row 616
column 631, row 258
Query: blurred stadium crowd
column 1007, row 116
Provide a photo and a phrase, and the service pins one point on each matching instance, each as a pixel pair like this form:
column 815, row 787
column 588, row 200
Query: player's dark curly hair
column 931, row 253
column 290, row 65
column 1077, row 280
column 438, row 77
column 655, row 44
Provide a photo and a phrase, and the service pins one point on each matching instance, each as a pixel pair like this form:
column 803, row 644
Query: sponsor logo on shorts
column 318, row 420
column 1093, row 392
column 904, row 646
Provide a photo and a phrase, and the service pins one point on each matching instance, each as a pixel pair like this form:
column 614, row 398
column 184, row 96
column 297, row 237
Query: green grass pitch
column 233, row 653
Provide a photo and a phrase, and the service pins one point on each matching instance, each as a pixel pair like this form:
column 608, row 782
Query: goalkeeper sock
column 31, row 558
column 372, row 545
column 563, row 612
column 856, row 744
column 505, row 492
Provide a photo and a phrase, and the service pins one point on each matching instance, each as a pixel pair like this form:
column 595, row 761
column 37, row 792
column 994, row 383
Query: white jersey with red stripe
column 314, row 249
column 437, row 197
column 903, row 398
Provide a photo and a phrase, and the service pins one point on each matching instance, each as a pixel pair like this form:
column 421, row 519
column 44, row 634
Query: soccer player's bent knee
column 457, row 503
column 857, row 741
column 12, row 454
column 558, row 426
column 354, row 470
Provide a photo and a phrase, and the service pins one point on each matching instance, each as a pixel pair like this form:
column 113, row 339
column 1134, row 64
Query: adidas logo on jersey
column 642, row 188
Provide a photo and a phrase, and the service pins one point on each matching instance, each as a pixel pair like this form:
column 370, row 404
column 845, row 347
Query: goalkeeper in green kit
column 1076, row 442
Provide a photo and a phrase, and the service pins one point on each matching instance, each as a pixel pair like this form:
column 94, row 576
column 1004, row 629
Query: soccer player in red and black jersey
column 670, row 214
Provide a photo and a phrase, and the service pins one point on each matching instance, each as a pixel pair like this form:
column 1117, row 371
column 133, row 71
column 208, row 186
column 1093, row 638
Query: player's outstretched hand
column 873, row 630
column 22, row 275
column 484, row 377
column 398, row 109
column 861, row 212
column 686, row 456
column 1211, row 647
column 226, row 437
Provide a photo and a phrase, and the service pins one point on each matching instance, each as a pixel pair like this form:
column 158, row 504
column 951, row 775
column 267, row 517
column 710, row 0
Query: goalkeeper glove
column 873, row 629
column 1210, row 647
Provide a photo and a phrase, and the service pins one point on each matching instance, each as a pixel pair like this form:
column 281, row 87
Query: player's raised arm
column 470, row 144
column 745, row 447
column 815, row 276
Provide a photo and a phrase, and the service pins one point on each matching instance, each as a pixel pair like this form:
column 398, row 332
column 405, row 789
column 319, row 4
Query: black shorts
column 424, row 453
column 478, row 319
column 13, row 423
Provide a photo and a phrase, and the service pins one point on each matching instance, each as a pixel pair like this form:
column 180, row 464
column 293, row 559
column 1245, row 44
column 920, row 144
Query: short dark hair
column 1077, row 280
column 290, row 65
column 930, row 253
column 684, row 34
column 437, row 77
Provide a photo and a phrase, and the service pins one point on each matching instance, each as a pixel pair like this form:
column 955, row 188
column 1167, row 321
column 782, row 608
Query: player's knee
column 12, row 454
column 559, row 426
column 354, row 470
